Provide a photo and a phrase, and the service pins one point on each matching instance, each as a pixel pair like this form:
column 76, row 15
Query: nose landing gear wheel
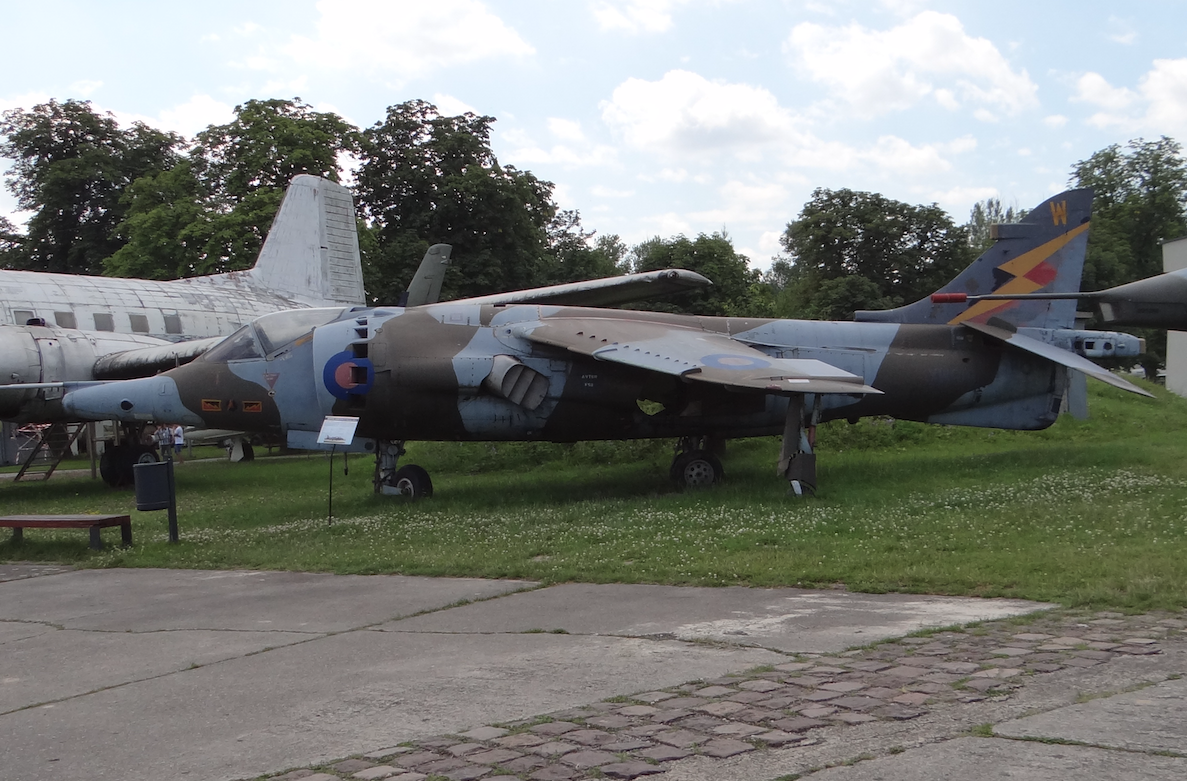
column 696, row 469
column 412, row 481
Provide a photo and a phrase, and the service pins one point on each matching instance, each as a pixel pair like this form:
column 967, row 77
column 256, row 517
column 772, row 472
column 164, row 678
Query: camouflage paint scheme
column 477, row 371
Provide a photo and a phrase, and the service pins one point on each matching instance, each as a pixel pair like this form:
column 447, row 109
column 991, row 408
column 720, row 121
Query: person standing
column 178, row 442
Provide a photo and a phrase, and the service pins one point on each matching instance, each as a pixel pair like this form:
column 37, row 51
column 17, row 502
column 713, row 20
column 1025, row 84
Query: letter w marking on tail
column 1059, row 213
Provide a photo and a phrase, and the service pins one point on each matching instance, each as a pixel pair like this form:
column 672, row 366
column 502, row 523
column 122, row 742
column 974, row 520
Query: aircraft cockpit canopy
column 267, row 334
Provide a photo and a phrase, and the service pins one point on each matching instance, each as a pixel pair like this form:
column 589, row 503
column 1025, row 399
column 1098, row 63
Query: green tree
column 1140, row 199
column 1140, row 196
column 737, row 289
column 573, row 259
column 983, row 216
column 212, row 214
column 426, row 178
column 900, row 253
column 70, row 168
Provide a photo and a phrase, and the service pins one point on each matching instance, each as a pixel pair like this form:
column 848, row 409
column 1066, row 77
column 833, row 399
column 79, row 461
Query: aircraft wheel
column 249, row 453
column 413, row 482
column 115, row 466
column 696, row 469
column 145, row 456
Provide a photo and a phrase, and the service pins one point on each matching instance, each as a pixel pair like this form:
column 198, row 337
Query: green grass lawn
column 1087, row 513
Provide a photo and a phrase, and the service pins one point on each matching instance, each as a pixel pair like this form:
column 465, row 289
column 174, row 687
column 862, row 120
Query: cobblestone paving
column 780, row 706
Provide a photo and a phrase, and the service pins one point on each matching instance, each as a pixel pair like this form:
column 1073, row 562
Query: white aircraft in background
column 57, row 328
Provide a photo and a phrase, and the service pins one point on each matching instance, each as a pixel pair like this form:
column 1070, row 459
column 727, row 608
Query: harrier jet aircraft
column 994, row 348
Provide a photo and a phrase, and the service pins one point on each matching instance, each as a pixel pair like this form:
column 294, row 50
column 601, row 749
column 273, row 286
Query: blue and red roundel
column 345, row 375
column 734, row 362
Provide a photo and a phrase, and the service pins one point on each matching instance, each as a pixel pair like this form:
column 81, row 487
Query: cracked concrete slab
column 337, row 695
column 84, row 662
column 789, row 620
column 989, row 758
column 149, row 600
column 293, row 669
column 1150, row 719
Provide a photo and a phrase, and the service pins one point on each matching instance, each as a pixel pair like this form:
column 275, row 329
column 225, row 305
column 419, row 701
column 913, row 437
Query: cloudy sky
column 659, row 117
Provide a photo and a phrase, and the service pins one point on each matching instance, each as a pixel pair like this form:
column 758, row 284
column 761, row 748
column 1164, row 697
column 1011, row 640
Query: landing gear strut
column 797, row 461
column 411, row 480
column 695, row 465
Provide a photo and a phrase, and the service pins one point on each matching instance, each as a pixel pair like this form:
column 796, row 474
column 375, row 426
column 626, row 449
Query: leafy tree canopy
column 212, row 213
column 889, row 252
column 736, row 289
column 1140, row 197
column 426, row 179
column 70, row 168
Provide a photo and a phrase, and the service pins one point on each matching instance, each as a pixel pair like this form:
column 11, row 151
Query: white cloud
column 1158, row 106
column 449, row 106
column 634, row 16
column 746, row 203
column 524, row 150
column 405, row 39
column 959, row 200
column 685, row 112
column 85, row 88
column 1122, row 31
column 1092, row 88
column 1165, row 87
column 26, row 101
column 565, row 129
column 1055, row 121
column 195, row 115
column 930, row 55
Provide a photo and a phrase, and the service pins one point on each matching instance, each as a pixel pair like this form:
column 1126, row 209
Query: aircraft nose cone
column 152, row 398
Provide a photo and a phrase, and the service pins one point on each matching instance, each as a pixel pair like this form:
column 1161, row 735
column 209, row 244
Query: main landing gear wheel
column 696, row 469
column 115, row 465
column 413, row 482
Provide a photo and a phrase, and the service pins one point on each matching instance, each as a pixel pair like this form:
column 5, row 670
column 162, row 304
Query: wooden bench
column 18, row 524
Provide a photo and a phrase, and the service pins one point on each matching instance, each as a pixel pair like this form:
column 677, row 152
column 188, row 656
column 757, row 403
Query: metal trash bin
column 152, row 485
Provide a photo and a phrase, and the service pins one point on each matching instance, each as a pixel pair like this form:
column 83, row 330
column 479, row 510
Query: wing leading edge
column 690, row 353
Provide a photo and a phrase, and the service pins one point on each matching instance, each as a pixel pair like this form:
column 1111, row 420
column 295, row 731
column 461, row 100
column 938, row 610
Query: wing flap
column 695, row 355
column 1056, row 354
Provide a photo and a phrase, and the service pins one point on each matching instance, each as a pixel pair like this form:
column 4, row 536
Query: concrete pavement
column 146, row 674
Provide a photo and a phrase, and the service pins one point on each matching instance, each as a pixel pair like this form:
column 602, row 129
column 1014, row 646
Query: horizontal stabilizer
column 1056, row 354
column 692, row 354
column 609, row 291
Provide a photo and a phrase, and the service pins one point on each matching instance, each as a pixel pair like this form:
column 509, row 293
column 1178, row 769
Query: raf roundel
column 734, row 362
column 345, row 375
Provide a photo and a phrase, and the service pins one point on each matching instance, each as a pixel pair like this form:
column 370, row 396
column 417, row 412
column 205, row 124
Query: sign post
column 335, row 430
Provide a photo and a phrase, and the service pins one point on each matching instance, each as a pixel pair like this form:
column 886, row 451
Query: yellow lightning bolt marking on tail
column 1019, row 267
column 1059, row 213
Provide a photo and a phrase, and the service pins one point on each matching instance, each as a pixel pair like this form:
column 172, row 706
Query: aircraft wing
column 609, row 291
column 1056, row 354
column 690, row 353
column 147, row 361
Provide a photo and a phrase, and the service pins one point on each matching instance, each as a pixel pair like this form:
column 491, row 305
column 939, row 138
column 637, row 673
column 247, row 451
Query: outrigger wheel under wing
column 703, row 356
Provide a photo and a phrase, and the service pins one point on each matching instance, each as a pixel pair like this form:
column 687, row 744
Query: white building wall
column 1174, row 258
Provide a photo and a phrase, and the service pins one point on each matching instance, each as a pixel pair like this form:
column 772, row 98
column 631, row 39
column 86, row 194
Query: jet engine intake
column 520, row 384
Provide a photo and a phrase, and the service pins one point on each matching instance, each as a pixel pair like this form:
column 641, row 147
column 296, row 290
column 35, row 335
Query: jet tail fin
column 1042, row 253
column 312, row 251
column 425, row 287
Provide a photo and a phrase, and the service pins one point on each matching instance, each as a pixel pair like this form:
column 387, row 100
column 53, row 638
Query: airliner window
column 236, row 347
column 279, row 328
